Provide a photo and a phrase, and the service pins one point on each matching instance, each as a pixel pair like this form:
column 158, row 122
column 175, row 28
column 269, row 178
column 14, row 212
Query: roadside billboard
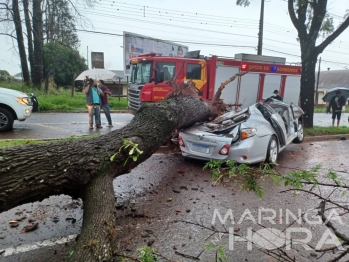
column 97, row 60
column 135, row 45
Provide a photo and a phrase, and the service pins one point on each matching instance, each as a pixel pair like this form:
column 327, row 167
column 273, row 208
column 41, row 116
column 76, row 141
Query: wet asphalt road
column 59, row 125
column 157, row 196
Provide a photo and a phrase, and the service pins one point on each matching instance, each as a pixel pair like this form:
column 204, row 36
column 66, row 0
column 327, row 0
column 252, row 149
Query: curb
column 325, row 138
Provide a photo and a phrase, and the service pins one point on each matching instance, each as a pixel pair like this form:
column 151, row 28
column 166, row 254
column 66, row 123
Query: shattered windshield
column 141, row 72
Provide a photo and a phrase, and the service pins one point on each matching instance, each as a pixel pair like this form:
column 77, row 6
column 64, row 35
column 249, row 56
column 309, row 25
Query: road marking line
column 40, row 244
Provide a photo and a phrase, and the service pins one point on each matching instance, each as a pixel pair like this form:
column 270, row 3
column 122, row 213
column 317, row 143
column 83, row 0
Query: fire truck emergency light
column 273, row 68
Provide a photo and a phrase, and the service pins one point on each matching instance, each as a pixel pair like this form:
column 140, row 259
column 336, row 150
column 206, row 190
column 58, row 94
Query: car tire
column 6, row 120
column 273, row 150
column 300, row 134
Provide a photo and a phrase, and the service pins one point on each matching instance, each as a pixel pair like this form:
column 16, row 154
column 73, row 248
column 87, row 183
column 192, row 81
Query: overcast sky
column 214, row 27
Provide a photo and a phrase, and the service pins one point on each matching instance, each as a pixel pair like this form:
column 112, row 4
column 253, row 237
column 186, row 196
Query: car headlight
column 24, row 101
column 248, row 132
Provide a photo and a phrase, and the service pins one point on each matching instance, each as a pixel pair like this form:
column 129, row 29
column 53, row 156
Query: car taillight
column 224, row 150
column 180, row 141
column 247, row 132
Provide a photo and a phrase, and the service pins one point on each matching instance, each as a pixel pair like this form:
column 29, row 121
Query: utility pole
column 317, row 84
column 260, row 34
column 87, row 58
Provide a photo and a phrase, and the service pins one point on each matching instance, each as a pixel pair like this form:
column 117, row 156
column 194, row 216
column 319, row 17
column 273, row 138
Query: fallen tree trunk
column 86, row 168
column 83, row 169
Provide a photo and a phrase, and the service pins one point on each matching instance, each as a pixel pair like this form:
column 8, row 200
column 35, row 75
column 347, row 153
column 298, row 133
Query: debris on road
column 13, row 223
column 29, row 228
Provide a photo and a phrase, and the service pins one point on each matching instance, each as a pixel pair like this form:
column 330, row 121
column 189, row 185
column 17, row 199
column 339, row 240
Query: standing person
column 105, row 102
column 337, row 102
column 93, row 102
column 277, row 96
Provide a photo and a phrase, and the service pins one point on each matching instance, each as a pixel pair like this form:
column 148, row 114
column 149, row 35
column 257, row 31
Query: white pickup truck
column 14, row 105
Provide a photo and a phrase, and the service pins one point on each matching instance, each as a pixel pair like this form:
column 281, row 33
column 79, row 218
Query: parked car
column 255, row 134
column 14, row 105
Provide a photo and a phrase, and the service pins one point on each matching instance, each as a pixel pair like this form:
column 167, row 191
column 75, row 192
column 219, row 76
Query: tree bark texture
column 20, row 41
column 29, row 36
column 307, row 92
column 83, row 169
column 38, row 43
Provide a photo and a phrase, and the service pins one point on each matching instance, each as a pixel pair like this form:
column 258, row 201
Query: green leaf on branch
column 133, row 153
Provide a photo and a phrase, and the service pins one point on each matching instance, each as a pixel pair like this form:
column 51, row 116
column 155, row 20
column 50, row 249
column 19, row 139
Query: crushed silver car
column 251, row 135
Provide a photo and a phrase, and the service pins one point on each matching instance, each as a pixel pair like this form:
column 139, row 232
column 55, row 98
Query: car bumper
column 249, row 151
column 24, row 113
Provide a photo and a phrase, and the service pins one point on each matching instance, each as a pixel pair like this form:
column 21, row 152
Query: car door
column 279, row 127
column 275, row 121
column 292, row 123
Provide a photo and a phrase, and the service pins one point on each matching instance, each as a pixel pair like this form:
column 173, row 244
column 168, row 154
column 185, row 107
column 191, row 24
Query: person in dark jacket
column 105, row 102
column 337, row 103
column 277, row 96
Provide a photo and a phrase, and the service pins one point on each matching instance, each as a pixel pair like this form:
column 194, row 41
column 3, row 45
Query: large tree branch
column 302, row 31
column 320, row 48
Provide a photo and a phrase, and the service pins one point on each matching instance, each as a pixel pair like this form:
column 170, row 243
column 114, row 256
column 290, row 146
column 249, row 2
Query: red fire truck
column 266, row 74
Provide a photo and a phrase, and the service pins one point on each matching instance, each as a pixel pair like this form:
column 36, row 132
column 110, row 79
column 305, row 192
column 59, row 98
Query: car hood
column 11, row 92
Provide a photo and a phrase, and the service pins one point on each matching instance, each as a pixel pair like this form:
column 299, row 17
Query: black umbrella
column 332, row 92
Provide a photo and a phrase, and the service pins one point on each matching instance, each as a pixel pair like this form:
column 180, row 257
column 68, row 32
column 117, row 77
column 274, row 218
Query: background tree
column 10, row 14
column 29, row 35
column 60, row 23
column 63, row 61
column 38, row 43
column 4, row 73
column 311, row 19
column 55, row 22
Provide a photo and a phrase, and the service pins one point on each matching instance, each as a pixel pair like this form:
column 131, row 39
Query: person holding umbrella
column 337, row 102
column 93, row 102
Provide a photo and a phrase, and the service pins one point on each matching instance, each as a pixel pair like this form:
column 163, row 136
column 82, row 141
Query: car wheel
column 300, row 136
column 273, row 150
column 6, row 120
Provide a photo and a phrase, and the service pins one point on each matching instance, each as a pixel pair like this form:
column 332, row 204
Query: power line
column 234, row 22
column 174, row 41
column 334, row 62
column 213, row 44
column 190, row 28
column 280, row 30
column 186, row 20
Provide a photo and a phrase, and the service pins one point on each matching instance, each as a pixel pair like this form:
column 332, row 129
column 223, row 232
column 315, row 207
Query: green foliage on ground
column 146, row 254
column 61, row 100
column 226, row 171
column 322, row 109
column 326, row 130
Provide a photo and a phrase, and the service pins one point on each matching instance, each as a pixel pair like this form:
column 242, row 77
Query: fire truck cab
column 266, row 74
